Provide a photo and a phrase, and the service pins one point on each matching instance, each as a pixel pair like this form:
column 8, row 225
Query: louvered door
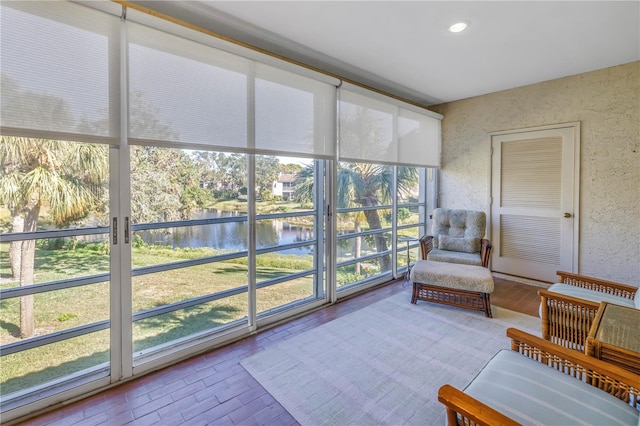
column 534, row 202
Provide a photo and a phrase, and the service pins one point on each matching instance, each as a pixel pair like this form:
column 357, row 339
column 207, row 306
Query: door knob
column 567, row 215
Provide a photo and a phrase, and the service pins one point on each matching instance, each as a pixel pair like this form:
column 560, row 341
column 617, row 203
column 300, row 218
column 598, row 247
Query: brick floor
column 214, row 388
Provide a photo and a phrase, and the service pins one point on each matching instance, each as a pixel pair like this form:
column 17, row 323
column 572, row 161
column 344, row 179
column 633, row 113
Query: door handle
column 567, row 215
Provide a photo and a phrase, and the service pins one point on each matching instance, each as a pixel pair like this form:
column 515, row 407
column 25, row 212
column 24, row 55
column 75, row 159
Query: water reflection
column 232, row 235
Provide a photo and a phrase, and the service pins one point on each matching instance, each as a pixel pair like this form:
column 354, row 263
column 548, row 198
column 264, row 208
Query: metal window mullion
column 184, row 304
column 364, row 258
column 330, row 228
column 54, row 233
column 184, row 223
column 285, row 278
column 251, row 195
column 394, row 218
column 362, row 233
column 143, row 270
column 187, row 303
column 52, row 286
column 58, row 336
column 121, row 300
column 318, row 229
column 268, row 216
column 362, row 209
column 410, row 225
column 272, row 249
column 423, row 206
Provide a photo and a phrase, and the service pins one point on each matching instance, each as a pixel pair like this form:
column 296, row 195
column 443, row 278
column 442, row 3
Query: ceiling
column 404, row 47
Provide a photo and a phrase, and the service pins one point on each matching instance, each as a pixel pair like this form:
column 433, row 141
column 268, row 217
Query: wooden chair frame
column 426, row 245
column 466, row 410
column 566, row 320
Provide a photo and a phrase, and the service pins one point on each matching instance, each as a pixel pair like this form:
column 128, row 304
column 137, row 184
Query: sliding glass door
column 163, row 192
column 59, row 72
column 55, row 308
column 189, row 253
column 289, row 234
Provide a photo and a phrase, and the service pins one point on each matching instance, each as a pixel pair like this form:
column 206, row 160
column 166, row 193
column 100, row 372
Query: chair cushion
column 458, row 257
column 458, row 223
column 532, row 393
column 467, row 245
column 591, row 295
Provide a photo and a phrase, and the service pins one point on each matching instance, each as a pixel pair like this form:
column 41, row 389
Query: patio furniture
column 457, row 236
column 539, row 382
column 465, row 286
column 615, row 336
column 568, row 308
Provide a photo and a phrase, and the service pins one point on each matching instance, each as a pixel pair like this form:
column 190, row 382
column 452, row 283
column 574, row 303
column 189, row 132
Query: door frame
column 576, row 182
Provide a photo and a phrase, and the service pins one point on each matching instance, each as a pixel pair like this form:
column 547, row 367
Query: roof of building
column 287, row 177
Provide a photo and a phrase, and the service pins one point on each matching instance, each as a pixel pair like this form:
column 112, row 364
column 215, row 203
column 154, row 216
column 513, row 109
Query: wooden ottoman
column 466, row 286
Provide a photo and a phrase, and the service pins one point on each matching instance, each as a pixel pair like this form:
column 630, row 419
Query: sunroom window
column 147, row 216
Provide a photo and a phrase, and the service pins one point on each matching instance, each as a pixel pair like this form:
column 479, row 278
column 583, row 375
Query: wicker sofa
column 457, row 236
column 541, row 383
column 567, row 308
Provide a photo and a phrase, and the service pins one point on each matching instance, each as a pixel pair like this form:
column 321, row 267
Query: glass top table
column 615, row 336
column 619, row 326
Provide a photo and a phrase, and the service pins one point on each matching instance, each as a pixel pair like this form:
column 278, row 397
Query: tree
column 64, row 177
column 362, row 184
column 367, row 185
column 267, row 167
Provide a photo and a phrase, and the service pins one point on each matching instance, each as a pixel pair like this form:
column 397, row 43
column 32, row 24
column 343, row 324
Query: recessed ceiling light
column 458, row 27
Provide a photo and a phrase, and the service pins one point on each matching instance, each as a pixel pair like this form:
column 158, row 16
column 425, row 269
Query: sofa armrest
column 610, row 287
column 566, row 320
column 426, row 245
column 471, row 411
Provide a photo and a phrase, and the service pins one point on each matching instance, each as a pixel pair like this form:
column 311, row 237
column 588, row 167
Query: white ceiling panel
column 404, row 47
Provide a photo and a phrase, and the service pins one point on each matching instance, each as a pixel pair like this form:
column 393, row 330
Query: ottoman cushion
column 452, row 275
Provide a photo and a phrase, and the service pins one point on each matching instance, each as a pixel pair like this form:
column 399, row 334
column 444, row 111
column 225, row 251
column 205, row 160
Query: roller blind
column 366, row 129
column 59, row 71
column 208, row 97
column 293, row 114
column 182, row 91
column 376, row 128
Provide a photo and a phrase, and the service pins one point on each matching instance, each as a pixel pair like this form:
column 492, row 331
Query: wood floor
column 215, row 389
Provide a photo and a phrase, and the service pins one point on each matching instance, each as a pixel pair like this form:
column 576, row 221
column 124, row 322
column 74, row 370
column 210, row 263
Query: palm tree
column 65, row 178
column 363, row 185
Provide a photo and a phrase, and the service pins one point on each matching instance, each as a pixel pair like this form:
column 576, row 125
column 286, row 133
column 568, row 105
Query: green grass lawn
column 61, row 310
column 64, row 309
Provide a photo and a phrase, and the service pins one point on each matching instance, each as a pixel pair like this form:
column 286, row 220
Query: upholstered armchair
column 457, row 236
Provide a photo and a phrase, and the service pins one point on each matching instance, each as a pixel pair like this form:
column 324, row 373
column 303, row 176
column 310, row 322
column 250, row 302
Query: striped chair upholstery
column 532, row 393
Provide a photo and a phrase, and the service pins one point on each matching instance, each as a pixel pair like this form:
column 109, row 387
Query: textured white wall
column 607, row 104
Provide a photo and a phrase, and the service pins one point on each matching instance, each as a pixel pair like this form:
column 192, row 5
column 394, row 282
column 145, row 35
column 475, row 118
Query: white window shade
column 376, row 128
column 183, row 91
column 293, row 114
column 59, row 69
column 205, row 96
column 366, row 129
column 419, row 139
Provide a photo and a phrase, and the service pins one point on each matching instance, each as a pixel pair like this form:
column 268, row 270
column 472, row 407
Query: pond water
column 233, row 235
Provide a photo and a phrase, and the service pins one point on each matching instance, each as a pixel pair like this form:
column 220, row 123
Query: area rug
column 383, row 364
